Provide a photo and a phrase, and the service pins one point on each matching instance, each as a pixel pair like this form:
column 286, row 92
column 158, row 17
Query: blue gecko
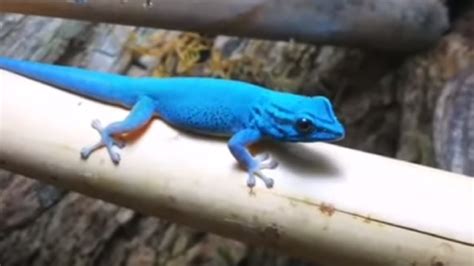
column 241, row 111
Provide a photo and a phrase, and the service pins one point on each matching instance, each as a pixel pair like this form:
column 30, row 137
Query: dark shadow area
column 459, row 7
column 296, row 156
column 301, row 160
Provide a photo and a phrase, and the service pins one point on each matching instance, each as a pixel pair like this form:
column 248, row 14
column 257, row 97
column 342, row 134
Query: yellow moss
column 177, row 56
column 182, row 54
column 219, row 66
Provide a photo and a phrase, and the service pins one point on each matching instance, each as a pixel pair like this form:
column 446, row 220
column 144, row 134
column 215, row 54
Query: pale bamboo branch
column 392, row 25
column 334, row 205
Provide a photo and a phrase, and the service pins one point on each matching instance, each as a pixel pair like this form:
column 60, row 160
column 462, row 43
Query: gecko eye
column 304, row 126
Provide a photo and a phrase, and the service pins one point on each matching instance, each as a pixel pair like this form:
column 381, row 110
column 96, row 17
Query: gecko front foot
column 105, row 140
column 263, row 161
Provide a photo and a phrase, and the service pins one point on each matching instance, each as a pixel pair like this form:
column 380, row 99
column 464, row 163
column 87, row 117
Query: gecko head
column 296, row 118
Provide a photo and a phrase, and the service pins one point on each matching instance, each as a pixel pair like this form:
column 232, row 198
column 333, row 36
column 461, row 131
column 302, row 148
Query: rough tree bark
column 386, row 101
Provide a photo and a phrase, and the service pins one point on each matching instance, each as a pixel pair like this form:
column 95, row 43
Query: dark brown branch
column 394, row 25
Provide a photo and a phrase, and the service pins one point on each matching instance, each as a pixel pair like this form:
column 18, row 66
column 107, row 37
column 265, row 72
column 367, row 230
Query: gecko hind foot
column 264, row 162
column 105, row 140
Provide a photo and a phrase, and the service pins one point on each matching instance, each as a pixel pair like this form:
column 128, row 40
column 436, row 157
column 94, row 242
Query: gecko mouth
column 332, row 135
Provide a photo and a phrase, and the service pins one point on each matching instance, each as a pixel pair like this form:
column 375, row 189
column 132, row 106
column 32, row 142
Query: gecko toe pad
column 263, row 162
column 105, row 140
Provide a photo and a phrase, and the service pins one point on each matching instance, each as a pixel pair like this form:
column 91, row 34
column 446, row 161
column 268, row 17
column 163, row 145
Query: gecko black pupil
column 304, row 125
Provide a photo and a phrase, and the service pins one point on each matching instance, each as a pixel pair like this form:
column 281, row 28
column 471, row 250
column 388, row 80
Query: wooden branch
column 334, row 205
column 393, row 25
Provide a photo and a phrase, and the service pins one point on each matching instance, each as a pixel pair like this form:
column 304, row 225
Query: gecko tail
column 106, row 87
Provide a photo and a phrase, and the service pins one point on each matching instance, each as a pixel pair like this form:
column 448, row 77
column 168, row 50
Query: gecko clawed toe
column 105, row 140
column 251, row 181
column 267, row 180
column 87, row 151
column 264, row 161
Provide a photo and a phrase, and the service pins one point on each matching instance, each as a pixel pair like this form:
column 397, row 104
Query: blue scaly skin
column 244, row 112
